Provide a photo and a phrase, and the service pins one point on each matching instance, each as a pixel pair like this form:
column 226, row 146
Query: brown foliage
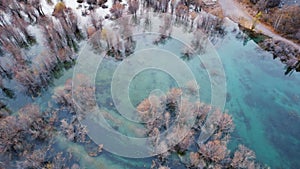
column 144, row 109
column 194, row 159
column 215, row 151
column 33, row 160
column 59, row 8
column 243, row 158
column 133, row 6
column 181, row 11
column 225, row 123
column 192, row 87
column 83, row 93
column 17, row 133
column 117, row 9
column 174, row 94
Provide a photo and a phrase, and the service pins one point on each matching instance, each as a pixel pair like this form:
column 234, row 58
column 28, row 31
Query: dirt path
column 234, row 11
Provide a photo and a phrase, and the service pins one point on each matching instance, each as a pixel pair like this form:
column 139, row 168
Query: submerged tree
column 117, row 9
column 160, row 113
column 133, row 6
column 215, row 151
column 243, row 158
column 18, row 133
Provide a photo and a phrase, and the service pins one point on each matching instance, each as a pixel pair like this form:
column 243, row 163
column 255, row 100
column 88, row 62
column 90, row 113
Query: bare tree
column 133, row 6
column 243, row 158
column 117, row 9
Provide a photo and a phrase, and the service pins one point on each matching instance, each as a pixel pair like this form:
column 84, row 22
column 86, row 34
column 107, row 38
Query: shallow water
column 264, row 103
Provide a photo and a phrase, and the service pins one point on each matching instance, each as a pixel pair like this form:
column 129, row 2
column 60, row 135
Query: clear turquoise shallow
column 264, row 103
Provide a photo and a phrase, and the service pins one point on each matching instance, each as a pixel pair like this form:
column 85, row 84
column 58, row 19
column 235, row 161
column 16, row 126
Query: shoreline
column 280, row 47
column 238, row 14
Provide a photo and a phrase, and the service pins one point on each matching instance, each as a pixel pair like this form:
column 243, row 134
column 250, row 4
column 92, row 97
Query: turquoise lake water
column 263, row 101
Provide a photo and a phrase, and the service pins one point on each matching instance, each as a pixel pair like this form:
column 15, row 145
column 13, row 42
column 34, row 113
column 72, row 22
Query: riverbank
column 285, row 49
column 239, row 14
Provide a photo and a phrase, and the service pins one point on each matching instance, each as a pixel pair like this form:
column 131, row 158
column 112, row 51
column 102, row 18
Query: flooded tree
column 25, row 138
column 198, row 4
column 215, row 151
column 97, row 21
column 193, row 16
column 125, row 44
column 36, row 159
column 133, row 6
column 37, row 5
column 18, row 133
column 117, row 9
column 28, row 80
column 243, row 158
column 5, row 70
column 15, row 51
column 162, row 112
column 69, row 24
column 181, row 12
column 22, row 25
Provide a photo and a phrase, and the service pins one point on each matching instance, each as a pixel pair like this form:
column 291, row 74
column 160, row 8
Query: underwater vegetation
column 212, row 153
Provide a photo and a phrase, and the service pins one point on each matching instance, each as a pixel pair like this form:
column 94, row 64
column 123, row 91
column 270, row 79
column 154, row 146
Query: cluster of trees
column 21, row 135
column 70, row 127
column 162, row 112
column 286, row 21
column 27, row 139
column 61, row 34
column 93, row 3
column 117, row 43
column 265, row 4
column 180, row 7
column 204, row 27
column 287, row 54
column 82, row 93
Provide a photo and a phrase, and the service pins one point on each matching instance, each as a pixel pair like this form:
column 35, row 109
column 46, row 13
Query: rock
column 100, row 148
column 298, row 35
column 283, row 57
column 92, row 154
column 107, row 16
column 104, row 6
column 254, row 1
column 272, row 3
column 291, row 62
column 291, row 55
column 277, row 49
column 91, row 2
